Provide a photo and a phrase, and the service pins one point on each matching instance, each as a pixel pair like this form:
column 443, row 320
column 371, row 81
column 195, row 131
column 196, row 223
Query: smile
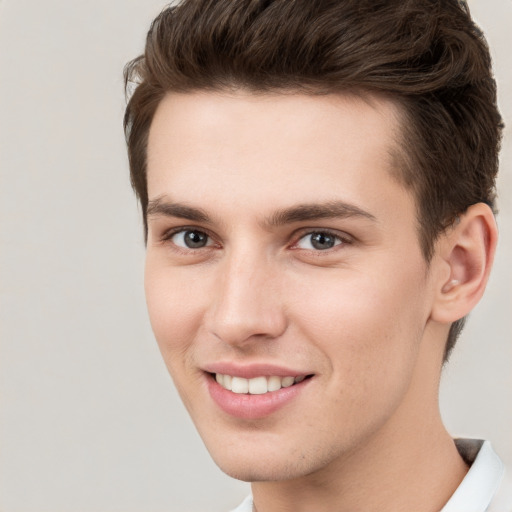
column 255, row 397
column 256, row 385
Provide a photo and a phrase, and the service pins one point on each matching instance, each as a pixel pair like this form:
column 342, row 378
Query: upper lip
column 249, row 371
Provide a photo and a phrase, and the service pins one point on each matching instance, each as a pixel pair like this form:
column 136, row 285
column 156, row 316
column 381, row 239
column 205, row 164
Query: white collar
column 481, row 482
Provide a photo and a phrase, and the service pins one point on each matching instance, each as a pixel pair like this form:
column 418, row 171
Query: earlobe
column 467, row 249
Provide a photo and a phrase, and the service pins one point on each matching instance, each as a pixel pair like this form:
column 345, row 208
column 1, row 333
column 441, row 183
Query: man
column 317, row 184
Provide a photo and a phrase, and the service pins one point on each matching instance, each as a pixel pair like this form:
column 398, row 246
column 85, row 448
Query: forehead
column 272, row 149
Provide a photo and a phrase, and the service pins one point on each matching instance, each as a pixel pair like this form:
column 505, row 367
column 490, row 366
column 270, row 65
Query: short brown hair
column 427, row 55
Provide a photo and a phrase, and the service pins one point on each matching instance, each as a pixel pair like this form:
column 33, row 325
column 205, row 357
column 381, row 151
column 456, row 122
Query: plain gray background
column 89, row 420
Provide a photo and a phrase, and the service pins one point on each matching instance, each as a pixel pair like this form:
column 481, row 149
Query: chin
column 255, row 464
column 260, row 471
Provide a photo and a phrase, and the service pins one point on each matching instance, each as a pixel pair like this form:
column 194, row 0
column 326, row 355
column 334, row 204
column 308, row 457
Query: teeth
column 274, row 383
column 287, row 382
column 227, row 382
column 257, row 385
column 239, row 385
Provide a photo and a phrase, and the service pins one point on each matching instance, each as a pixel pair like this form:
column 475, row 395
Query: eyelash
column 343, row 239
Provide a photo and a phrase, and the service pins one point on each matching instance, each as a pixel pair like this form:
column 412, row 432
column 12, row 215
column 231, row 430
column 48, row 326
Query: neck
column 410, row 463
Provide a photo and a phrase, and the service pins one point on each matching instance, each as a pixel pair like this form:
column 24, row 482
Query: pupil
column 322, row 241
column 195, row 239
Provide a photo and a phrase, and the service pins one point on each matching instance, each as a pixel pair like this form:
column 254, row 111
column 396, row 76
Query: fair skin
column 280, row 244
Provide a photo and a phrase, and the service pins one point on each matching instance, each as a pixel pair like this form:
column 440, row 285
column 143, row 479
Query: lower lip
column 251, row 407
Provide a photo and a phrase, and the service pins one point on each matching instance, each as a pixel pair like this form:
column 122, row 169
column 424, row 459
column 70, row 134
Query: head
column 417, row 73
column 426, row 56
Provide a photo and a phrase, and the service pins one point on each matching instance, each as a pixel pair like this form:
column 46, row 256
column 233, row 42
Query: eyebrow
column 159, row 206
column 298, row 213
column 317, row 211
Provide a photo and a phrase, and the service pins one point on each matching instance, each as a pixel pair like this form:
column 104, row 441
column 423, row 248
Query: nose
column 247, row 301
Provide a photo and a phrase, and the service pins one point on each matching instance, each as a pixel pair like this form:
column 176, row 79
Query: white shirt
column 485, row 487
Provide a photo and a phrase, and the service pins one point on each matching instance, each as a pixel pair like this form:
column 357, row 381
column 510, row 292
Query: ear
column 465, row 252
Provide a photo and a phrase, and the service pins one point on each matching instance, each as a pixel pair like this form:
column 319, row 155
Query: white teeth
column 227, row 382
column 287, row 382
column 239, row 385
column 257, row 385
column 274, row 383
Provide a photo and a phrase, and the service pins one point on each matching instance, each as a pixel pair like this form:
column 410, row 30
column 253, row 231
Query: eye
column 190, row 239
column 319, row 241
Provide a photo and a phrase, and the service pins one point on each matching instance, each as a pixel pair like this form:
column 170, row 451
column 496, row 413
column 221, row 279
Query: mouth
column 256, row 397
column 257, row 385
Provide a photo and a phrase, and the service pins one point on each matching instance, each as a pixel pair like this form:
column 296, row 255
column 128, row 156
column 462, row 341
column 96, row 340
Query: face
column 284, row 278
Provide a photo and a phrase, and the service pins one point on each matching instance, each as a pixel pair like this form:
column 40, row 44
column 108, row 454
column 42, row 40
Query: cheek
column 368, row 327
column 175, row 310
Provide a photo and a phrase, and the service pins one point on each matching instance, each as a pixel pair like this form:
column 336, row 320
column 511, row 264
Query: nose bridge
column 247, row 301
